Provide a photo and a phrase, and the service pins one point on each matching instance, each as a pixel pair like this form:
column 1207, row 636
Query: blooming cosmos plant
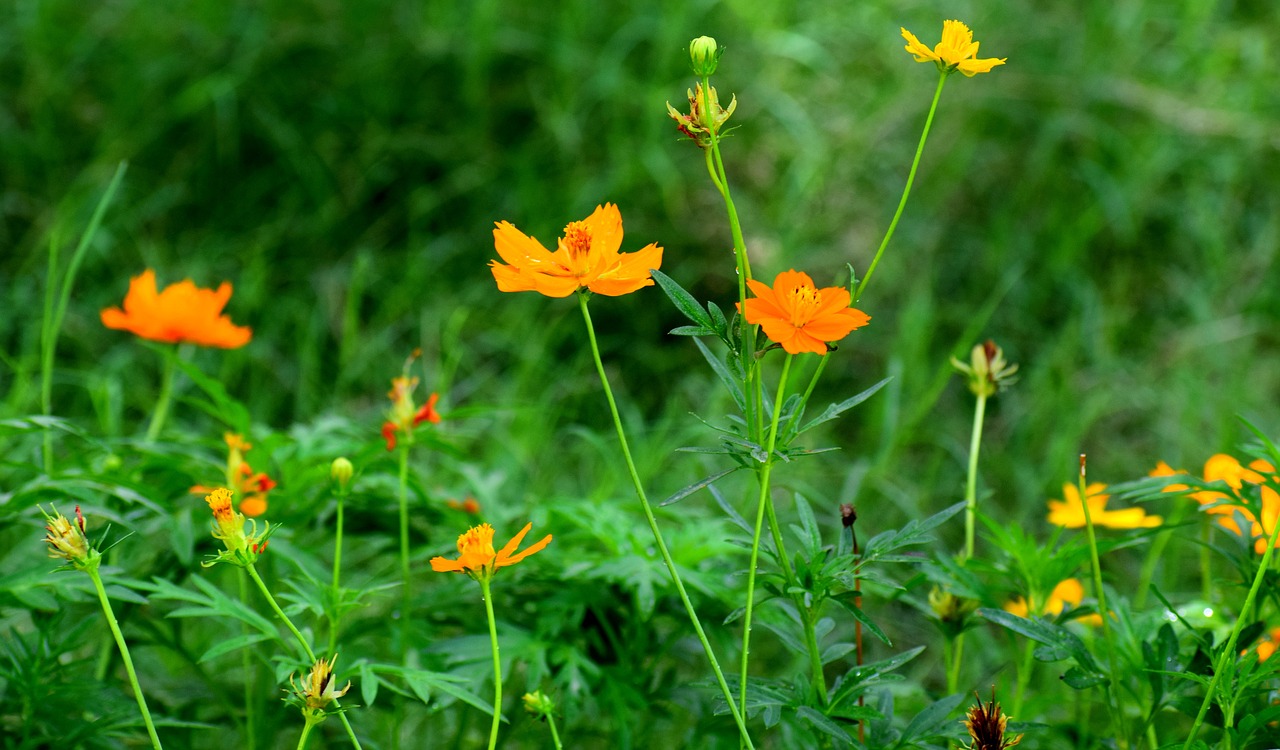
column 182, row 313
column 586, row 256
column 799, row 316
column 956, row 51
column 253, row 487
column 476, row 556
column 404, row 414
column 1069, row 513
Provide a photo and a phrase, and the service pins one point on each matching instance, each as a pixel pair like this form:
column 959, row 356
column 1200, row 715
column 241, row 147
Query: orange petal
column 535, row 547
column 445, row 565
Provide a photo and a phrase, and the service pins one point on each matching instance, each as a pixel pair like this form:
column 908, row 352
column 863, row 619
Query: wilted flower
column 242, row 547
column 317, row 690
column 1069, row 513
column 68, row 541
column 987, row 371
column 799, row 316
column 987, row 724
column 252, row 486
column 405, row 414
column 182, row 313
column 476, row 556
column 586, row 256
column 706, row 117
column 956, row 51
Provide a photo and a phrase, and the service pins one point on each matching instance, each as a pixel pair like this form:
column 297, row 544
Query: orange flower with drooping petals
column 1069, row 513
column 404, row 414
column 956, row 51
column 182, row 313
column 252, row 486
column 476, row 555
column 801, row 317
column 586, row 256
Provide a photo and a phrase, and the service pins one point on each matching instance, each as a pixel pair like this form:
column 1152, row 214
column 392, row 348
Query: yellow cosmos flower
column 1066, row 595
column 799, row 316
column 477, row 557
column 1069, row 513
column 956, row 51
column 1228, row 469
column 586, row 256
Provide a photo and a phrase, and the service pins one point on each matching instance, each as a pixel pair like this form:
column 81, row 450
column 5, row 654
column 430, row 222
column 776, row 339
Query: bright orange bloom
column 181, row 313
column 1267, row 646
column 956, row 51
column 252, row 486
column 1165, row 470
column 586, row 256
column 1069, row 513
column 1228, row 469
column 476, row 555
column 466, row 506
column 799, row 316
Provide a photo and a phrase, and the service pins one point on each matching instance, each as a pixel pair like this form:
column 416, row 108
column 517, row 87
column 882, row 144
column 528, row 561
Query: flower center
column 577, row 238
column 804, row 300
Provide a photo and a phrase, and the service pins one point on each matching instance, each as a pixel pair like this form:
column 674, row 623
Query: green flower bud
column 704, row 55
column 341, row 472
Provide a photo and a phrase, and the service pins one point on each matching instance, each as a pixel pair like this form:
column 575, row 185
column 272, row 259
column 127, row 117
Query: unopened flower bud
column 341, row 472
column 987, row 372
column 539, row 704
column 704, row 55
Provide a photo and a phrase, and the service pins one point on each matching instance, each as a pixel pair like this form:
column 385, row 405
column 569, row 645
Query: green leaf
column 1061, row 642
column 861, row 617
column 733, row 386
column 1081, row 680
column 688, row 490
column 931, row 722
column 835, row 410
column 683, row 301
column 824, row 724
column 691, row 331
column 233, row 644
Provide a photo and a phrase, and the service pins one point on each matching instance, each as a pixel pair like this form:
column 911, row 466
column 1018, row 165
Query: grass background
column 1104, row 206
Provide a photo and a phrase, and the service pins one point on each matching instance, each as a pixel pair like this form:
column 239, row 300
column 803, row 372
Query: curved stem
column 653, row 526
column 161, row 411
column 906, row 191
column 1113, row 702
column 306, row 647
column 124, row 655
column 306, row 730
column 765, row 471
column 971, row 486
column 1229, row 651
column 497, row 663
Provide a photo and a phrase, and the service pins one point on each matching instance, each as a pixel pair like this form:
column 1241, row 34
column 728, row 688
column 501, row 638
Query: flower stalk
column 653, row 527
column 124, row 654
column 497, row 662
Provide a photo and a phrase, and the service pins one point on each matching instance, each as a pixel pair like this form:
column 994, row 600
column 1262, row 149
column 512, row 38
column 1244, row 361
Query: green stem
column 1206, row 570
column 336, row 617
column 765, row 471
column 1023, row 673
column 406, row 594
column 306, row 731
column 1229, row 651
column 953, row 665
column 497, row 663
column 971, row 485
column 555, row 736
column 1113, row 704
column 306, row 647
column 808, row 391
column 906, row 191
column 161, row 411
column 124, row 654
column 653, row 526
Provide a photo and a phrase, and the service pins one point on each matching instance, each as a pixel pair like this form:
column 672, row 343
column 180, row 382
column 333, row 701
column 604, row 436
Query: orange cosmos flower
column 956, row 51
column 586, row 256
column 799, row 316
column 181, row 313
column 1267, row 646
column 476, row 555
column 1228, row 469
column 466, row 506
column 404, row 414
column 1069, row 513
column 1066, row 595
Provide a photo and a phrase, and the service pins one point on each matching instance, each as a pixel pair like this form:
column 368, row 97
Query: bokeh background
column 1104, row 206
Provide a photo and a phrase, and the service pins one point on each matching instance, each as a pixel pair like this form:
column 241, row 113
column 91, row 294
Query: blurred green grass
column 1104, row 206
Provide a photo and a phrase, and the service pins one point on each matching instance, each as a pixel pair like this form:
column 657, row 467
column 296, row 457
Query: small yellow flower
column 1069, row 512
column 956, row 51
column 539, row 704
column 242, row 547
column 68, row 541
column 476, row 556
column 1066, row 595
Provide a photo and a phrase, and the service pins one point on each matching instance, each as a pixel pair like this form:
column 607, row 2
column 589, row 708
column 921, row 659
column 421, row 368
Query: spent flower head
column 68, row 541
column 586, row 257
column 318, row 691
column 182, row 313
column 800, row 317
column 706, row 117
column 987, row 726
column 987, row 372
column 956, row 51
column 476, row 556
column 404, row 414
column 704, row 56
column 243, row 546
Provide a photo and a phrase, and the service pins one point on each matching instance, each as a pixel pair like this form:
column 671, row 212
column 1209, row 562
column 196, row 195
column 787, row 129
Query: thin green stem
column 306, row 731
column 246, row 666
column 971, row 485
column 406, row 594
column 953, row 665
column 336, row 596
column 1206, row 568
column 906, row 191
column 1228, row 652
column 161, row 410
column 555, row 736
column 124, row 655
column 1113, row 704
column 808, row 391
column 306, row 647
column 765, row 471
column 653, row 526
column 1023, row 674
column 497, row 663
